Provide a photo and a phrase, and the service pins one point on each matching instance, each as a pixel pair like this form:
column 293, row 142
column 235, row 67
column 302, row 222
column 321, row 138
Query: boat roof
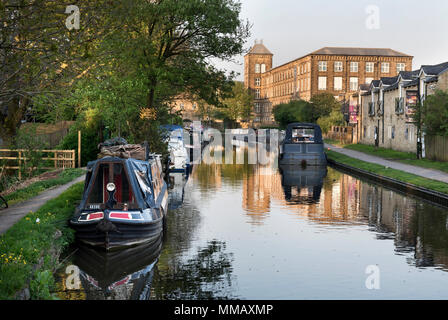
column 316, row 127
column 172, row 127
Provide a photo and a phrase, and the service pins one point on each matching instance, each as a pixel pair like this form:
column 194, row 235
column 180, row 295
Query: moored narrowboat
column 124, row 203
column 303, row 145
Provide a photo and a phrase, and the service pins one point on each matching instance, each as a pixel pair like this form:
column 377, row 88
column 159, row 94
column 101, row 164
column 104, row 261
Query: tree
column 323, row 104
column 335, row 118
column 294, row 111
column 238, row 104
column 435, row 114
column 39, row 56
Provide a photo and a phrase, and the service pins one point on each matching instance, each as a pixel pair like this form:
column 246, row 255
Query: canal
column 254, row 232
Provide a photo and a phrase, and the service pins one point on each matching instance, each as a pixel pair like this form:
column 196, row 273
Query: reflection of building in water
column 416, row 227
column 338, row 197
column 307, row 193
column 259, row 187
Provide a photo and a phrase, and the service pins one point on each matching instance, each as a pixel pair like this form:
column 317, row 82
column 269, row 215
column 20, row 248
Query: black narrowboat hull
column 111, row 235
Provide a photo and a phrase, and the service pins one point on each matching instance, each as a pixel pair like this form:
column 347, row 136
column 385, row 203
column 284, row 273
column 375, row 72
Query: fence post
column 79, row 149
column 20, row 164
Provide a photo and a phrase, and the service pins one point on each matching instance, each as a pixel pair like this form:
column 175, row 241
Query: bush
column 336, row 118
column 435, row 114
column 89, row 142
column 32, row 143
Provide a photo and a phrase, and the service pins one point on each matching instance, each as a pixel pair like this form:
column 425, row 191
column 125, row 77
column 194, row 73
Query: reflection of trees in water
column 415, row 226
column 430, row 224
column 206, row 275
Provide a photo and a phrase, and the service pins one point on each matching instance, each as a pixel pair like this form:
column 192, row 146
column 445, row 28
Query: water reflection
column 121, row 275
column 302, row 185
column 257, row 232
column 176, row 188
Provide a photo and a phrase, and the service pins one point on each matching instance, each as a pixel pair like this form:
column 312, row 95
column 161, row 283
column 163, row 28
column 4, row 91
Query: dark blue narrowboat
column 124, row 203
column 303, row 145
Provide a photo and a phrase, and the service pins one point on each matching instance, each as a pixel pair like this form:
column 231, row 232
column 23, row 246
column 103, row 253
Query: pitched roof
column 359, row 52
column 259, row 48
column 435, row 69
column 409, row 75
column 411, row 83
column 389, row 80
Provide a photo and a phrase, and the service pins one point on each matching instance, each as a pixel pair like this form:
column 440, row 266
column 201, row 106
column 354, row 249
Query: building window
column 369, row 80
column 257, row 82
column 353, row 84
column 322, row 66
column 354, row 66
column 401, row 67
column 194, row 106
column 338, row 66
column 322, row 83
column 257, row 94
column 182, row 107
column 370, row 67
column 257, row 68
column 263, row 68
column 385, row 67
column 337, row 83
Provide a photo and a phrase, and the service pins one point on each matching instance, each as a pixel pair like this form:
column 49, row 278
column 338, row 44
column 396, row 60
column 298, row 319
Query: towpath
column 8, row 217
column 419, row 171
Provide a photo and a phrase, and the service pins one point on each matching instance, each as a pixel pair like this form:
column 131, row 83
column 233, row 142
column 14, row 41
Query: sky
column 293, row 28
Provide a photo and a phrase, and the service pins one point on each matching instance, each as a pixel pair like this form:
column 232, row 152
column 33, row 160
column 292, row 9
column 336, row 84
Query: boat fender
column 303, row 163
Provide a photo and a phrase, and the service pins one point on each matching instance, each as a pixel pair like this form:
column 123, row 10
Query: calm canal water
column 252, row 232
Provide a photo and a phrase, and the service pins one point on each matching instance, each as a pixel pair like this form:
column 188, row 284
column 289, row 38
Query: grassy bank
column 389, row 154
column 387, row 172
column 37, row 187
column 29, row 251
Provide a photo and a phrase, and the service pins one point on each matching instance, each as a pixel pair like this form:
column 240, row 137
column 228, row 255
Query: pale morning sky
column 293, row 28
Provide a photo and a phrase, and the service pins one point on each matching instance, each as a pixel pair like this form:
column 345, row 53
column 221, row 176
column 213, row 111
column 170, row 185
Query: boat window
column 302, row 135
column 111, row 172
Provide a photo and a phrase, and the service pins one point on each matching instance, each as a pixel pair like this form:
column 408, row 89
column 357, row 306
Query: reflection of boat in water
column 125, row 202
column 176, row 186
column 122, row 275
column 302, row 185
column 303, row 145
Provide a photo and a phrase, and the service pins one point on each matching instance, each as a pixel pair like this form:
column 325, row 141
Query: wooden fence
column 436, row 148
column 343, row 134
column 53, row 159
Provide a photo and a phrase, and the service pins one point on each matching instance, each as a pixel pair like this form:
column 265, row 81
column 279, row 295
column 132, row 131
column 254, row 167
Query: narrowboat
column 179, row 160
column 303, row 145
column 124, row 203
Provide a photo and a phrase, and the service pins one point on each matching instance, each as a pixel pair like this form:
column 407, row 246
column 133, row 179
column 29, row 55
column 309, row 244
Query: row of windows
column 337, row 83
column 262, row 108
column 408, row 134
column 354, row 66
column 264, row 119
column 289, row 74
